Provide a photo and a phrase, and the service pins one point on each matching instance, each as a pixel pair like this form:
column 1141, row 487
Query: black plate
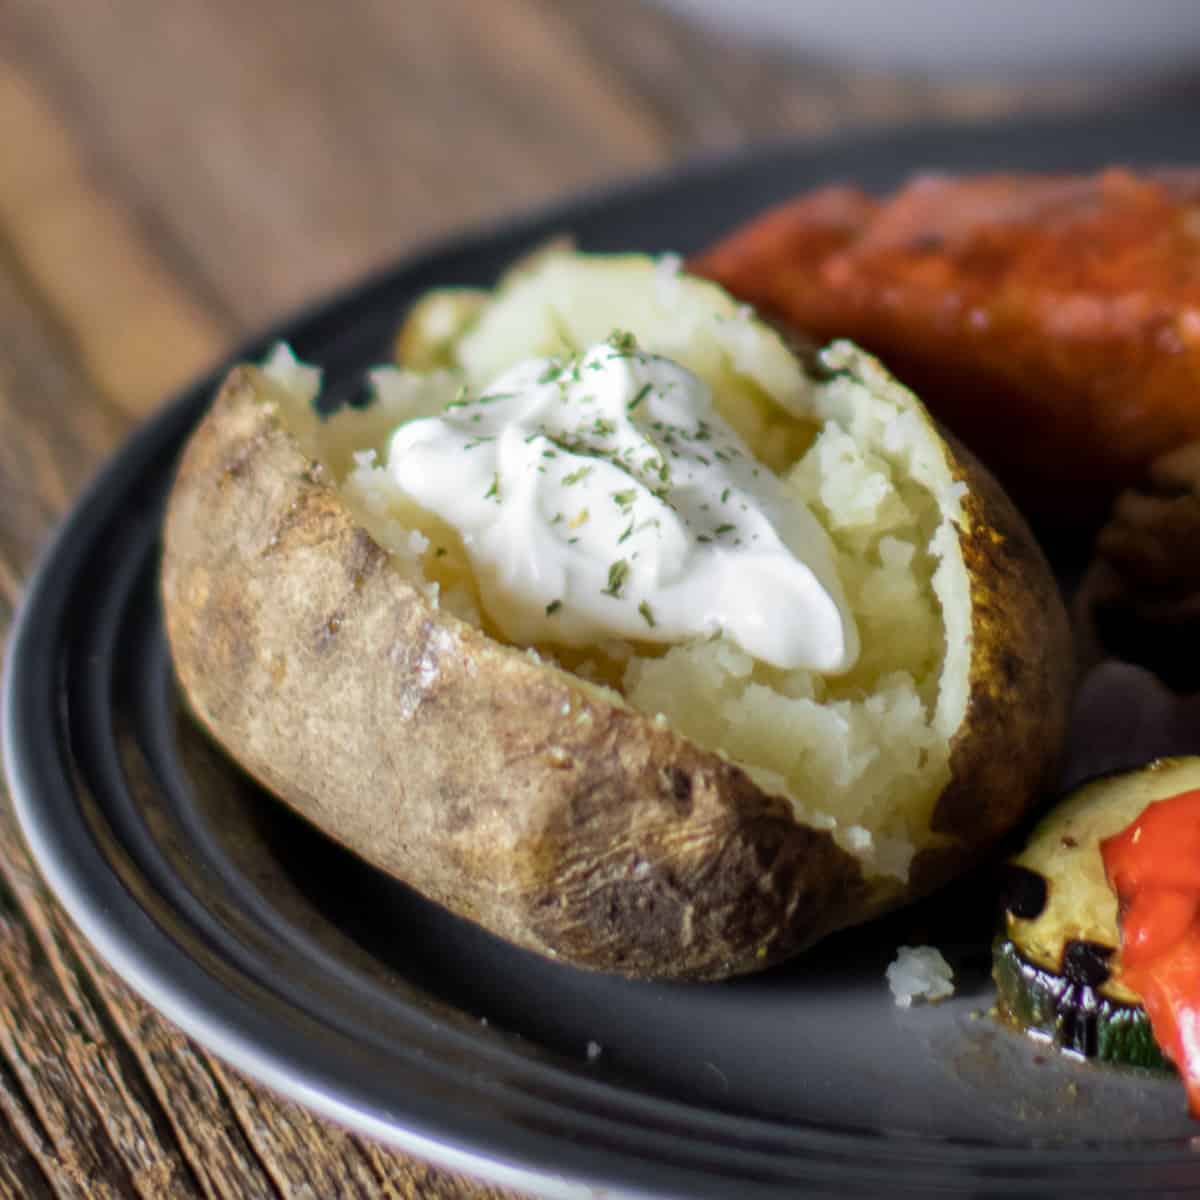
column 348, row 993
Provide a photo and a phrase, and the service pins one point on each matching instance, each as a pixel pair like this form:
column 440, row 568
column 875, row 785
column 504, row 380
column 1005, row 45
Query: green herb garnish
column 642, row 393
column 616, row 577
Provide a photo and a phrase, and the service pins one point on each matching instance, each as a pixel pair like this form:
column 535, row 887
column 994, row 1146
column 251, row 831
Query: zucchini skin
column 1061, row 932
column 1073, row 1015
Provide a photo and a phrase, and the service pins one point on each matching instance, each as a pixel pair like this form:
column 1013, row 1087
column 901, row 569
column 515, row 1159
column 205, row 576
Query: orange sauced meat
column 1052, row 321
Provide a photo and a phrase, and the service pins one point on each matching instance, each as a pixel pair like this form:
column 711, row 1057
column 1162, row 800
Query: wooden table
column 176, row 174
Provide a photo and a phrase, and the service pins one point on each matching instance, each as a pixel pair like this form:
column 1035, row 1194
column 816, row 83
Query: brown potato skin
column 497, row 785
column 1005, row 753
column 489, row 782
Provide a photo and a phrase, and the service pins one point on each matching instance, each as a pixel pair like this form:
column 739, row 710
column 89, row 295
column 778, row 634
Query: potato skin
column 1005, row 753
column 490, row 782
column 500, row 786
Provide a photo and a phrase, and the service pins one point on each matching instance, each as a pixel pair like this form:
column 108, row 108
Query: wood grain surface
column 176, row 174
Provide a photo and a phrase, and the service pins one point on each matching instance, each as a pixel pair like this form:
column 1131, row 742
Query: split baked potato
column 659, row 811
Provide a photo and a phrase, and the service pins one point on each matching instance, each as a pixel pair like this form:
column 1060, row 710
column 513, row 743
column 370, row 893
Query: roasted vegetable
column 1057, row 963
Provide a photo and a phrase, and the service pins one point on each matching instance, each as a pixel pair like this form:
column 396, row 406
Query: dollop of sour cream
column 603, row 496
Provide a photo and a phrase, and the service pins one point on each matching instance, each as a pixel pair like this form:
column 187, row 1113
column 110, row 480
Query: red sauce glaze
column 1154, row 867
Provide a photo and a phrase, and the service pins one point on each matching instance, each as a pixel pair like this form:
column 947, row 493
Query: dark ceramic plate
column 343, row 990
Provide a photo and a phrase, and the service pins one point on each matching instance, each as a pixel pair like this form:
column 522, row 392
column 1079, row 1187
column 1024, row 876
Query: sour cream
column 602, row 496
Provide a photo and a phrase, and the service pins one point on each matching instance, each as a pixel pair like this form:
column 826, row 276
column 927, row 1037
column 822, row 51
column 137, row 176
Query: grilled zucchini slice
column 1052, row 963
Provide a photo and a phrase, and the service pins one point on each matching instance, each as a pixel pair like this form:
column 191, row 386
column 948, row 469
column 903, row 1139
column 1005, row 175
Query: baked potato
column 679, row 810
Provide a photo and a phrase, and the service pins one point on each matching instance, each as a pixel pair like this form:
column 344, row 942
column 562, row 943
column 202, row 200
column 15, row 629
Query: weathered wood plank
column 89, row 1130
column 57, row 426
column 136, row 331
column 291, row 147
column 20, row 1178
column 21, row 1137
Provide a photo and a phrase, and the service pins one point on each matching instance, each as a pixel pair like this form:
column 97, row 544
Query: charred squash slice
column 1053, row 961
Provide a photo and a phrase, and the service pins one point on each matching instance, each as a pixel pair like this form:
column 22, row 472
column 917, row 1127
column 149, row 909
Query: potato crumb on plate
column 920, row 972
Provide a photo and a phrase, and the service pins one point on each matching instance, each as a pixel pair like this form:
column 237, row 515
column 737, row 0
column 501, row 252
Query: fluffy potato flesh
column 694, row 812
